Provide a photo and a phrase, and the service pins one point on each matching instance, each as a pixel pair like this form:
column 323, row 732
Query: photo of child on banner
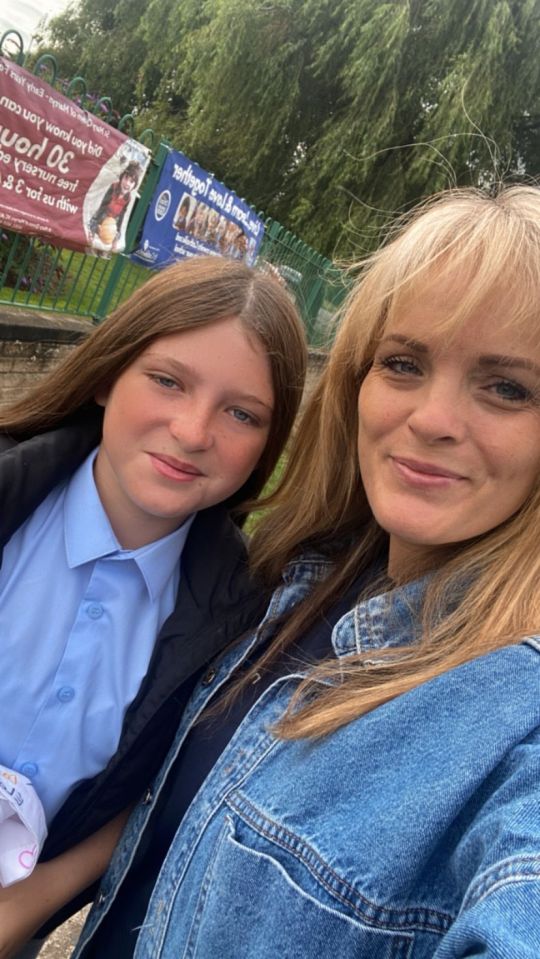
column 110, row 199
column 191, row 214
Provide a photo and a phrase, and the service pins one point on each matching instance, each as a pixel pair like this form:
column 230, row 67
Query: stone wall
column 31, row 343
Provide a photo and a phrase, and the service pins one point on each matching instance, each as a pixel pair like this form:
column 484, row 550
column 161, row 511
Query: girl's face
column 184, row 427
column 449, row 426
column 127, row 183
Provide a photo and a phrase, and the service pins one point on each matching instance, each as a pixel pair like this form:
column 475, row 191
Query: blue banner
column 192, row 213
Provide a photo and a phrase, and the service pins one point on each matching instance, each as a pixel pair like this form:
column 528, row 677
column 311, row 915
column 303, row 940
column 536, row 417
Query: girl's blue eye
column 243, row 417
column 165, row 381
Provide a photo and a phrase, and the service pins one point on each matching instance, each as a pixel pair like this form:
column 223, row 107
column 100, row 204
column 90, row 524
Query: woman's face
column 449, row 426
column 184, row 427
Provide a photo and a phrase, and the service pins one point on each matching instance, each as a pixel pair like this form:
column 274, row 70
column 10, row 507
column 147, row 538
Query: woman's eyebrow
column 514, row 362
column 488, row 359
column 406, row 341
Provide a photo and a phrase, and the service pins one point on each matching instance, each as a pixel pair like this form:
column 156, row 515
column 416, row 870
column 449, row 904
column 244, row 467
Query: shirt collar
column 89, row 536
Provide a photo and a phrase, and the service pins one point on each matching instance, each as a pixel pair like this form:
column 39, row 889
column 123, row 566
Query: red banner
column 65, row 175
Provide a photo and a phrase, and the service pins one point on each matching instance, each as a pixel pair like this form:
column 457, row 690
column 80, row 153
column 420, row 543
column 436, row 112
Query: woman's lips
column 175, row 469
column 422, row 474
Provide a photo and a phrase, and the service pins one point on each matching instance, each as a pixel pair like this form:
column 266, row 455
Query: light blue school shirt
column 79, row 616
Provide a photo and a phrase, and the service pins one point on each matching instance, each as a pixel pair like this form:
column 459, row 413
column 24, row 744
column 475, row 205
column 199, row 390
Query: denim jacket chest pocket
column 253, row 878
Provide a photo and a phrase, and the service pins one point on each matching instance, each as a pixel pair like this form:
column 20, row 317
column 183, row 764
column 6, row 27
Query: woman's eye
column 403, row 365
column 508, row 390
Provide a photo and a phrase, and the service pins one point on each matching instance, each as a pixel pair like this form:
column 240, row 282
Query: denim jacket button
column 209, row 677
column 101, row 898
column 148, row 797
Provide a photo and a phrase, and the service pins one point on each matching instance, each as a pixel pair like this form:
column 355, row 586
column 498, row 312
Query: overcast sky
column 24, row 15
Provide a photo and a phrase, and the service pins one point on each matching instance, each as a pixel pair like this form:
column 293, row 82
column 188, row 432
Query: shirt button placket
column 29, row 769
column 65, row 694
column 94, row 610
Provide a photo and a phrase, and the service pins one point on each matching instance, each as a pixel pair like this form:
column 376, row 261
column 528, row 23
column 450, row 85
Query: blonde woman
column 366, row 782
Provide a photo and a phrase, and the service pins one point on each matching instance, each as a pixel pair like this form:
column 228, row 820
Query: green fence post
column 316, row 291
column 134, row 226
column 20, row 55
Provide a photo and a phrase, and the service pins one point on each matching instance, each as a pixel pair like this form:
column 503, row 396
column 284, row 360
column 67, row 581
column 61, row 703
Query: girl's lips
column 175, row 469
column 424, row 474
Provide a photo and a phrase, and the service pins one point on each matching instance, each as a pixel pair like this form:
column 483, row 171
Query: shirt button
column 29, row 769
column 65, row 694
column 94, row 610
column 209, row 677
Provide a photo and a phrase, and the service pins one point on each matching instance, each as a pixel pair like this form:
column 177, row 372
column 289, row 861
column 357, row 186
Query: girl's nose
column 193, row 429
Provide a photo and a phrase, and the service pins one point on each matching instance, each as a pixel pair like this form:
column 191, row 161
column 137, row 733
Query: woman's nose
column 439, row 413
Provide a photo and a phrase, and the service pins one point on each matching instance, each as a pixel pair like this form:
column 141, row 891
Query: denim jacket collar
column 387, row 619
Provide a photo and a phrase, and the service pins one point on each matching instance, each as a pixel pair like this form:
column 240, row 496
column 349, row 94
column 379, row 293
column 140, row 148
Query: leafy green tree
column 331, row 115
column 232, row 90
column 99, row 40
column 335, row 114
column 432, row 95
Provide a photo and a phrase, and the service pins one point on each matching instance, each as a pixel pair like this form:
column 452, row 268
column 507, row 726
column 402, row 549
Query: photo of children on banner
column 184, row 213
column 212, row 228
column 199, row 221
column 106, row 225
column 235, row 242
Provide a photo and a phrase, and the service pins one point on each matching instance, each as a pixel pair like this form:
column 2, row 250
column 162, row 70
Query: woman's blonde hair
column 493, row 242
column 190, row 294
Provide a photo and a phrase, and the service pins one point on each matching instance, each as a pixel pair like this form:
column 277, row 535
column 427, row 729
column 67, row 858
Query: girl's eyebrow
column 172, row 363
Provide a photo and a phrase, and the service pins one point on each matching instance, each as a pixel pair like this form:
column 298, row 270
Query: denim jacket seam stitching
column 243, row 807
column 203, row 892
column 305, row 571
column 369, row 627
column 366, row 627
column 502, row 874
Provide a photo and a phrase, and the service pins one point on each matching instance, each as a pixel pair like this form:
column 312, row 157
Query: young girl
column 367, row 784
column 122, row 570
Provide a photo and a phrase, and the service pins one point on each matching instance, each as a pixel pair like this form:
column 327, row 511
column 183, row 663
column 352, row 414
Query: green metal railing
column 36, row 275
column 318, row 285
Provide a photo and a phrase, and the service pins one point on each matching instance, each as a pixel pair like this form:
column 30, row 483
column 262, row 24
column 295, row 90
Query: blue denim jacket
column 412, row 832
